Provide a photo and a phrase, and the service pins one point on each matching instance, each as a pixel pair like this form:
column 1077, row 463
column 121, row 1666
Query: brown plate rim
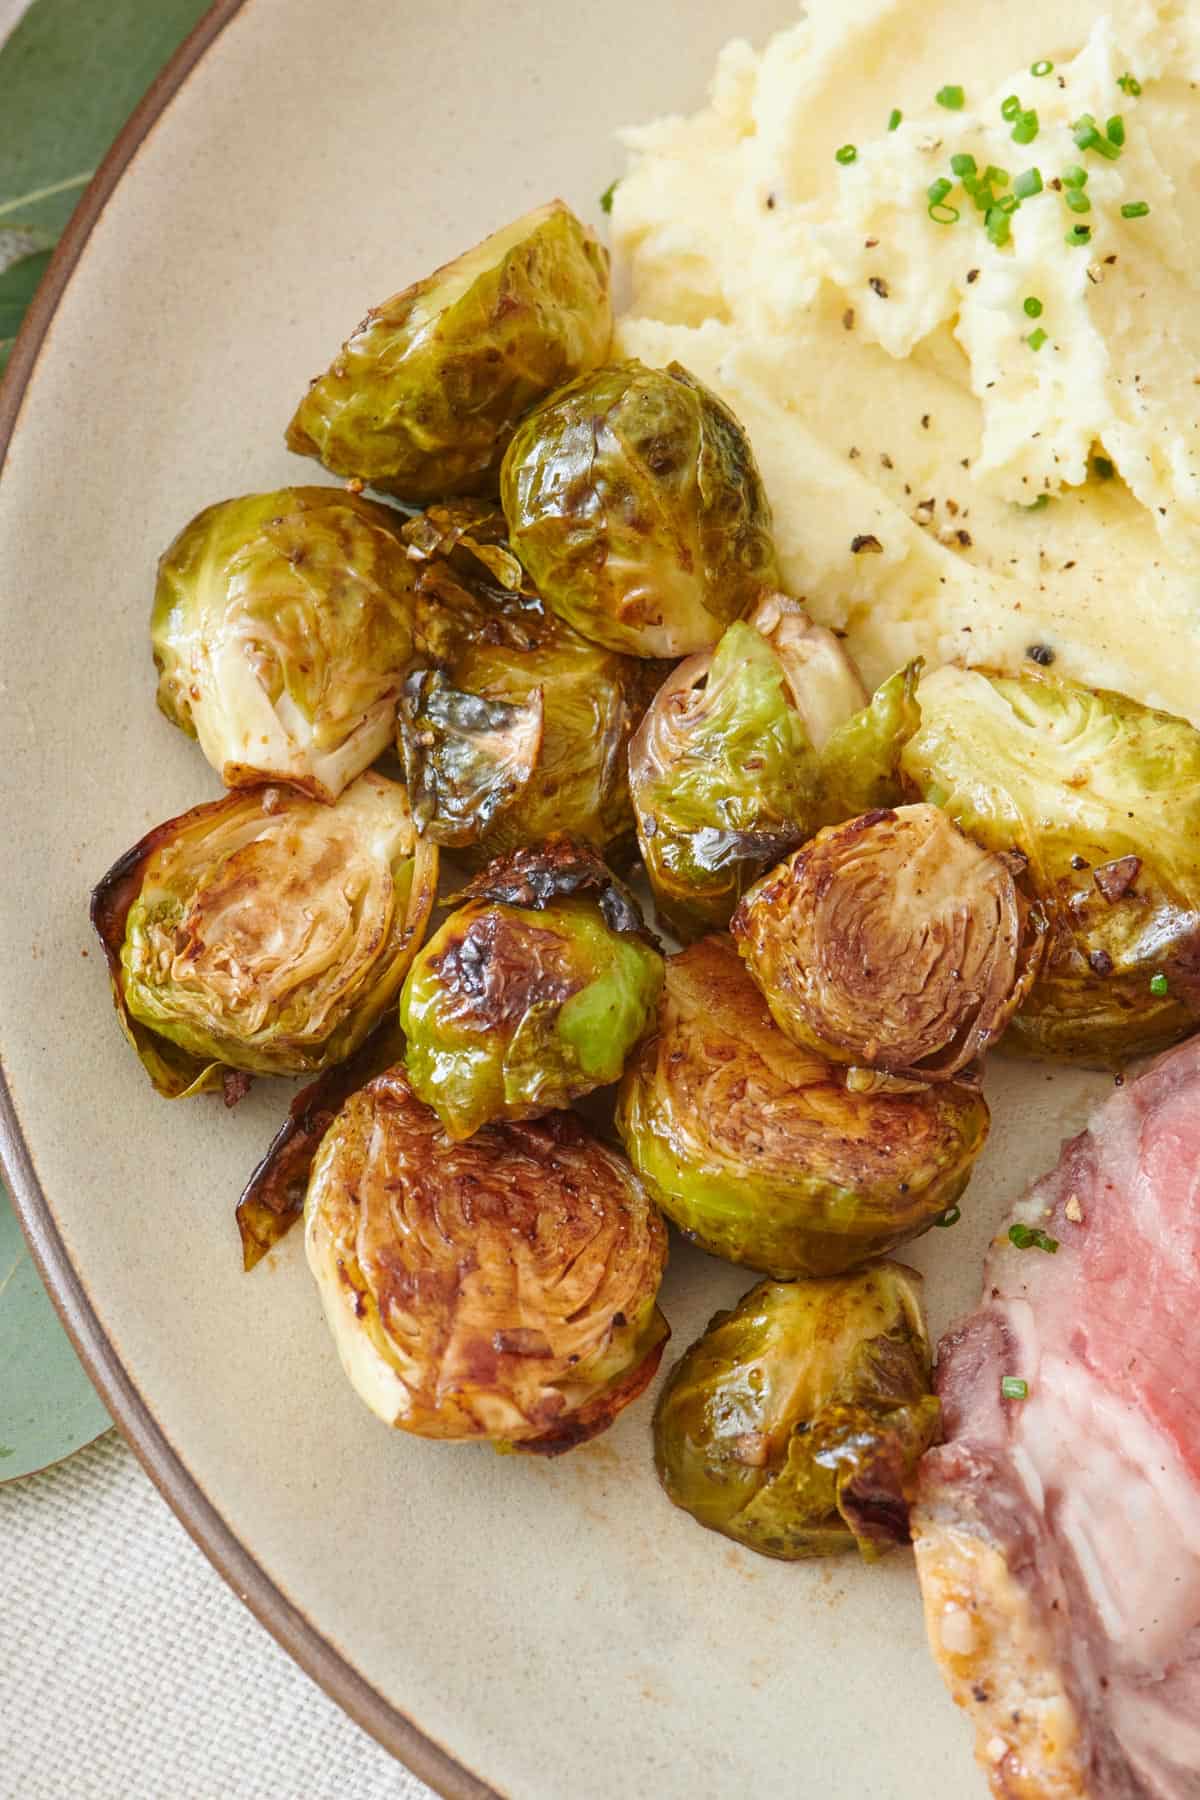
column 298, row 1635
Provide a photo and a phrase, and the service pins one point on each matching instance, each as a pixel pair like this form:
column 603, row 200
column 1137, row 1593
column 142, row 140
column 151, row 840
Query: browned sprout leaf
column 893, row 942
column 500, row 1288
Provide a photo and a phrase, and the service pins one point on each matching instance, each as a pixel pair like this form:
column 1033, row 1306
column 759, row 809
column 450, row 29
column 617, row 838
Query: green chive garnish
column 1025, row 129
column 937, row 190
column 1028, row 183
column 1008, row 203
column 606, row 198
column 1079, row 235
column 948, row 1218
column 1102, row 467
column 963, row 163
column 847, row 154
column 1115, row 130
column 1011, row 108
column 997, row 226
column 1077, row 200
column 1013, row 1388
column 1031, row 1237
column 1042, row 67
column 1033, row 307
column 1074, row 176
column 1038, row 505
column 894, row 118
column 1088, row 136
column 952, row 98
column 1159, row 987
column 1129, row 84
column 1036, row 339
column 944, row 215
column 1135, row 209
column 997, row 177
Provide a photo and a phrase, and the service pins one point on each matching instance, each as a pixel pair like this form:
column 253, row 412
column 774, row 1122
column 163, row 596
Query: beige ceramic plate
column 542, row 1629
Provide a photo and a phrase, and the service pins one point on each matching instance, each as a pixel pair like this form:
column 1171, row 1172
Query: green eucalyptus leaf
column 48, row 1407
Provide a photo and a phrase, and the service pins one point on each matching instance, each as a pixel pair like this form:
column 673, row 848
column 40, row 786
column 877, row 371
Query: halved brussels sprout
column 1102, row 795
column 747, row 750
column 532, row 993
column 282, row 626
column 766, row 1154
column 893, row 942
column 634, row 501
column 503, row 1288
column 795, row 1424
column 424, row 396
column 265, row 931
column 524, row 728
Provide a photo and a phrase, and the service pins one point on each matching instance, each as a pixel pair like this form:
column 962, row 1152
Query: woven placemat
column 129, row 1671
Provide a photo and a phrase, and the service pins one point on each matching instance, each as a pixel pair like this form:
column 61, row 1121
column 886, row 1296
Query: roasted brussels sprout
column 532, row 993
column 747, row 750
column 893, row 942
column 504, row 1288
column 766, row 1154
column 282, row 626
column 424, row 396
column 795, row 1424
column 635, row 503
column 1102, row 795
column 265, row 931
column 514, row 726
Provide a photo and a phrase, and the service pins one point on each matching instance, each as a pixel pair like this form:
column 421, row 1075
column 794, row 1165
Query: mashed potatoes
column 945, row 481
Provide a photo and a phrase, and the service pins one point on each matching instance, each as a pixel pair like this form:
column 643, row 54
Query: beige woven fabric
column 129, row 1671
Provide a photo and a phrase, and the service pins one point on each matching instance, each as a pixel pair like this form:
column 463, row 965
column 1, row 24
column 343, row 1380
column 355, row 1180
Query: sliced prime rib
column 1058, row 1535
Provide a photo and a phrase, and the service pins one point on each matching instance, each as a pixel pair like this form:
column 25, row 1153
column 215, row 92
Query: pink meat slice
column 1058, row 1536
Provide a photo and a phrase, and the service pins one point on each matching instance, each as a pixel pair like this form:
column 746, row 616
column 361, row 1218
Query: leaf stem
column 45, row 193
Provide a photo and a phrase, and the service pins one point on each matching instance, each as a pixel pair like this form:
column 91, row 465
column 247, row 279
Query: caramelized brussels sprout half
column 531, row 994
column 424, row 396
column 282, row 626
column 503, row 1288
column 766, row 1154
column 264, row 932
column 514, row 727
column 747, row 750
column 1102, row 795
column 893, row 942
column 635, row 503
column 795, row 1424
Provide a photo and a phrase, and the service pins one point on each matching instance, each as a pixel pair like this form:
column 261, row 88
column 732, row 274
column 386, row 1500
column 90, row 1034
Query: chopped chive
column 1079, row 235
column 1159, row 987
column 981, row 193
column 1115, row 130
column 1033, row 307
column 1102, row 467
column 894, row 118
column 1074, row 176
column 942, row 214
column 1036, row 339
column 950, row 1217
column 952, row 98
column 937, row 190
column 1011, row 108
column 1129, row 84
column 1042, row 67
column 1026, row 128
column 1135, row 209
column 1038, row 505
column 606, row 198
column 1013, row 1388
column 1031, row 1237
column 997, row 177
column 847, row 154
column 1077, row 200
column 1088, row 136
column 1028, row 183
column 963, row 163
column 997, row 226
